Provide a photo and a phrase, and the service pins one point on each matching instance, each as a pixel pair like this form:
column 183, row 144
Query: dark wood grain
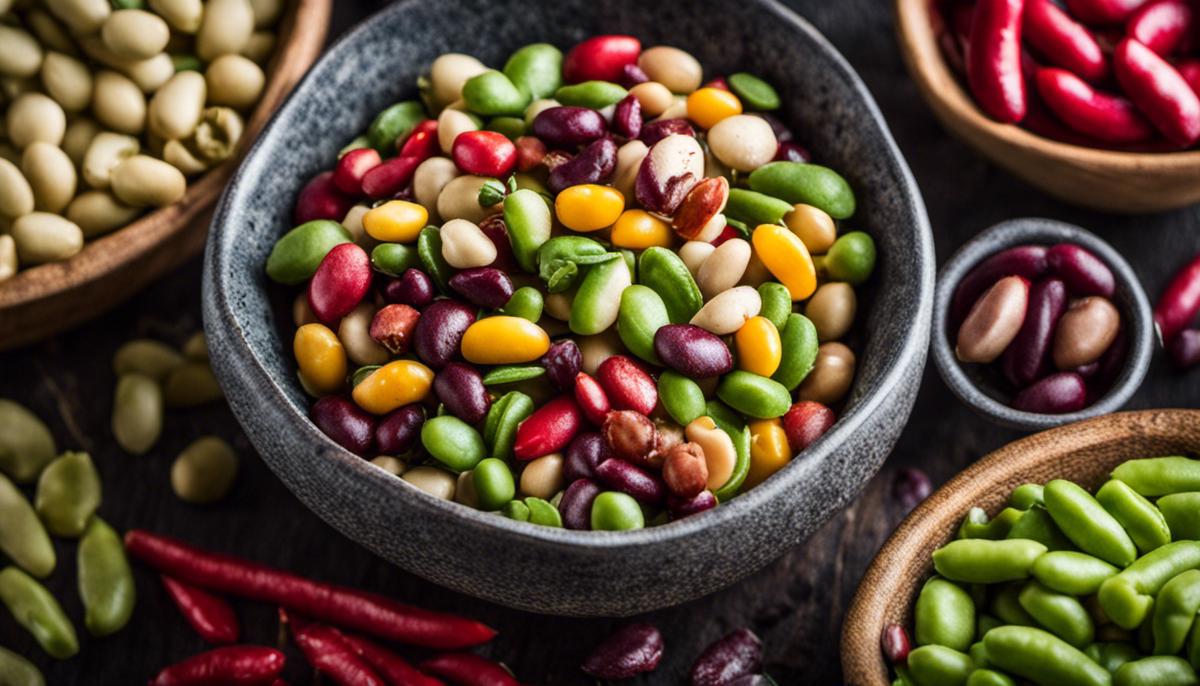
column 796, row 603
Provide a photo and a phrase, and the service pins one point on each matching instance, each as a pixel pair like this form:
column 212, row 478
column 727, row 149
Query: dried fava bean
column 205, row 470
column 436, row 482
column 464, row 245
column 143, row 181
column 106, row 584
column 8, row 257
column 99, row 212
column 68, row 493
column 1084, row 332
column 135, row 34
column 35, row 117
column 813, row 226
column 235, row 81
column 629, row 163
column 16, row 195
column 994, row 321
column 51, row 175
column 137, row 413
column 225, row 28
column 22, row 537
column 118, row 103
column 22, row 54
column 26, row 445
column 42, row 237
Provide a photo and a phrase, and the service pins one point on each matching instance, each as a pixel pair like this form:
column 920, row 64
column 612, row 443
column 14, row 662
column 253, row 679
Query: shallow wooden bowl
column 1084, row 452
column 49, row 298
column 1127, row 182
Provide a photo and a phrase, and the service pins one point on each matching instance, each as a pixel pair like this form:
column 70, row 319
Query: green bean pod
column 1111, row 655
column 799, row 343
column 1182, row 514
column 986, row 562
column 1026, row 496
column 642, row 314
column 665, row 273
column 944, row 615
column 1037, row 525
column 429, row 250
column 1154, row 476
column 394, row 123
column 728, row 421
column 68, row 493
column 512, row 373
column 535, row 69
column 810, row 184
column 1089, row 526
column 595, row 95
column 1161, row 670
column 977, row 525
column 776, row 303
column 35, row 609
column 681, row 397
column 22, row 537
column 17, row 671
column 1006, row 605
column 1060, row 614
column 26, row 445
column 989, row 677
column 1128, row 597
column 753, row 208
column 105, row 581
column 1072, row 572
column 503, row 417
column 1042, row 657
column 597, row 304
column 1175, row 610
column 528, row 221
column 1143, row 522
column 935, row 665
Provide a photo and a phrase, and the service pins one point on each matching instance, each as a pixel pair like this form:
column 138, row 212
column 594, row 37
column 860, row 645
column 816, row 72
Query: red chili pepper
column 994, row 59
column 1103, row 11
column 1159, row 91
column 468, row 669
column 1163, row 26
column 1062, row 41
column 209, row 615
column 229, row 666
column 389, row 665
column 1179, row 304
column 1107, row 117
column 328, row 653
column 347, row 607
column 422, row 142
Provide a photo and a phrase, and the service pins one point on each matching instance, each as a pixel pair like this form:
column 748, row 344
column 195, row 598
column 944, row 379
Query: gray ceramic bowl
column 973, row 385
column 513, row 563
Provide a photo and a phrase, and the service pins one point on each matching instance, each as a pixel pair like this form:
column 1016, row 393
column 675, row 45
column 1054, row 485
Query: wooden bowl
column 49, row 298
column 1126, row 182
column 1084, row 452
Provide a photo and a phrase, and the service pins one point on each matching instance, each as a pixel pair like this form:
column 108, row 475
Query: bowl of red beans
column 559, row 314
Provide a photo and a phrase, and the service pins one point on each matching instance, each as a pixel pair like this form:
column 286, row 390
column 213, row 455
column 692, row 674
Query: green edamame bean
column 1127, row 597
column 1161, row 670
column 754, row 92
column 494, row 485
column 597, row 303
column 728, row 421
column 1071, row 572
column 977, row 525
column 1087, row 524
column 851, row 258
column 978, row 653
column 1154, row 476
column 776, row 303
column 1006, row 605
column 394, row 258
column 799, row 345
column 984, row 624
column 535, row 69
column 17, row 671
column 526, row 302
column 989, row 677
column 429, row 250
column 527, row 218
column 980, row 561
column 1181, row 511
column 137, row 413
column 1042, row 657
column 512, row 373
column 515, row 509
column 492, row 93
column 935, row 665
column 661, row 270
column 809, row 184
column 511, row 127
column 562, row 259
column 1175, row 612
column 642, row 314
column 1111, row 655
column 614, row 511
column 543, row 513
column 297, row 254
column 105, row 581
column 1146, row 526
column 500, row 426
column 68, row 493
column 1061, row 614
column 753, row 208
column 22, row 537
column 1037, row 525
column 26, row 445
column 453, row 442
column 35, row 609
column 1026, row 496
column 944, row 615
column 593, row 94
column 754, row 395
column 393, row 124
column 681, row 397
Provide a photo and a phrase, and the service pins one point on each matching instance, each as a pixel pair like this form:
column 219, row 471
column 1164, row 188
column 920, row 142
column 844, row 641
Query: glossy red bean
column 484, row 153
column 399, row 430
column 1103, row 117
column 483, row 286
column 549, row 429
column 686, row 507
column 1164, row 26
column 585, row 451
column 497, row 232
column 321, row 199
column 655, row 131
column 1080, row 270
column 1103, row 11
column 344, row 422
column 632, row 75
column 460, row 389
column 630, row 435
column 601, row 58
column 737, row 654
column 439, row 332
column 530, row 152
column 569, row 126
column 1062, row 41
column 413, row 288
column 562, row 362
column 422, row 142
column 805, row 422
column 575, row 507
column 592, row 399
column 789, row 151
column 627, row 117
column 1112, row 363
column 1027, row 358
column 340, row 282
column 631, row 650
column 627, row 385
column 390, row 178
column 351, row 168
column 1056, row 394
column 595, row 164
column 1028, row 261
column 994, row 60
column 692, row 351
column 1177, row 307
column 1159, row 91
column 895, row 643
column 1185, row 349
column 393, row 326
column 910, row 486
column 630, row 479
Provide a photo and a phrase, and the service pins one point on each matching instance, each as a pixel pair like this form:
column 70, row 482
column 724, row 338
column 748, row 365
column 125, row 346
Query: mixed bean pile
column 1120, row 74
column 1066, row 588
column 583, row 294
column 108, row 107
column 1045, row 314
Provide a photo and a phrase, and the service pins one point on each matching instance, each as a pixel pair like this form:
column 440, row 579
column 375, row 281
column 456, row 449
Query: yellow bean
column 769, row 451
column 638, row 230
column 758, row 346
column 321, row 357
column 787, row 258
column 395, row 384
column 504, row 340
column 589, row 207
column 396, row 221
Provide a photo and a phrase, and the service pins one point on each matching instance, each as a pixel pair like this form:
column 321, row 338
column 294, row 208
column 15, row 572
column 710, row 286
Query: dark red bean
column 1056, row 394
column 910, row 486
column 1185, row 349
column 439, row 332
column 351, row 168
column 632, row 480
column 792, row 152
column 632, row 75
column 1028, row 261
column 805, row 422
column 719, row 83
column 340, row 282
column 562, row 362
column 531, row 151
column 895, row 643
column 591, row 398
column 1088, row 371
column 1112, row 362
column 692, row 351
column 1159, row 91
column 413, row 288
column 585, row 451
column 631, row 650
column 549, row 429
column 1163, row 26
column 627, row 385
column 594, row 165
column 483, row 286
column 1062, row 41
column 576, row 504
column 484, row 153
column 321, row 199
column 630, row 435
column 1177, row 306
column 399, row 430
column 569, row 126
column 390, row 178
column 686, row 507
column 1081, row 271
column 497, row 232
column 734, row 656
column 601, row 58
column 460, row 388
column 1027, row 358
column 422, row 142
column 627, row 117
column 655, row 131
column 343, row 421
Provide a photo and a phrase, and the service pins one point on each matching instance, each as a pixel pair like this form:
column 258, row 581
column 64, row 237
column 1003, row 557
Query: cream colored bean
column 183, row 15
column 67, row 80
column 51, row 33
column 177, row 155
column 994, row 321
column 724, row 268
column 831, row 375
column 434, row 481
column 51, row 175
column 83, row 17
column 629, row 161
column 148, row 357
column 118, row 103
column 216, row 137
column 259, row 47
column 176, row 108
column 430, row 178
column 20, row 53
column 137, row 413
column 543, row 477
column 99, row 212
column 1084, row 332
column 465, row 245
column 448, row 73
column 225, row 28
column 205, row 471
column 712, row 228
column 450, row 124
column 354, row 333
column 653, row 97
column 143, row 181
column 676, row 110
column 150, row 74
column 831, row 310
column 597, row 348
column 813, row 226
column 135, row 34
column 756, row 273
column 743, row 142
column 35, row 117
column 558, row 305
column 191, row 384
column 719, row 453
column 464, row 489
column 302, row 312
column 78, row 137
column 43, row 237
column 694, row 253
column 390, row 464
column 235, row 81
column 459, row 199
column 537, row 107
column 353, row 221
column 8, row 257
column 16, row 195
column 266, row 12
column 672, row 67
column 105, row 152
column 725, row 313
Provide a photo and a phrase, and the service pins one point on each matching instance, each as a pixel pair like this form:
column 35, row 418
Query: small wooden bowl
column 1126, row 182
column 52, row 297
column 1084, row 452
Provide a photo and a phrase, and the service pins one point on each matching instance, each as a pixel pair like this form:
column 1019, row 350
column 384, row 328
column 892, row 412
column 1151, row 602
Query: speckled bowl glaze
column 513, row 563
column 974, row 388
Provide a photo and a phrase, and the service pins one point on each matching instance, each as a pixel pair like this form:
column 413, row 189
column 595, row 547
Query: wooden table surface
column 796, row 604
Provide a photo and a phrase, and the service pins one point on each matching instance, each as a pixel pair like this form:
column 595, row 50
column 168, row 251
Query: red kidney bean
column 1163, row 26
column 692, row 351
column 631, row 650
column 600, row 58
column 576, row 504
column 686, row 507
column 344, row 422
column 1027, row 358
column 585, row 451
column 591, row 398
column 792, row 152
column 1179, row 303
column 737, row 654
column 340, row 282
column 1185, row 349
column 655, row 131
column 439, row 332
column 910, row 486
column 390, row 178
column 399, row 430
column 1028, row 261
column 422, row 142
column 569, row 126
column 1103, row 11
column 627, row 117
column 630, row 435
column 1062, row 41
column 1159, row 91
column 460, row 388
column 321, row 199
column 593, row 165
column 413, row 288
column 632, row 75
column 497, row 232
column 1081, row 271
column 393, row 326
column 1056, row 394
column 896, row 645
column 1190, row 71
column 1105, row 117
column 644, row 486
column 627, row 385
column 483, row 286
column 351, row 168
column 1112, row 363
column 484, row 153
column 530, row 152
column 549, row 429
column 562, row 362
column 805, row 422
column 994, row 60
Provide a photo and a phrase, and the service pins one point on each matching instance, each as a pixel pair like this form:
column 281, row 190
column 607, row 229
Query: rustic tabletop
column 796, row 604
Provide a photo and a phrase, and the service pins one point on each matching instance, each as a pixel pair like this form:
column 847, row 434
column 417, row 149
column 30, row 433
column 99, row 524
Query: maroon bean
column 632, row 75
column 655, row 131
column 344, row 422
column 692, row 351
column 576, row 504
column 439, row 332
column 1185, row 349
column 805, row 422
column 562, row 362
column 1055, row 394
column 627, row 117
column 782, row 133
column 910, row 486
column 460, row 388
column 1028, row 261
column 627, row 385
column 734, row 656
column 631, row 650
column 593, row 165
column 321, row 199
column 792, row 152
column 497, row 232
column 685, row 507
column 632, row 480
column 1027, row 358
column 483, row 286
column 567, row 127
column 1088, row 371
column 340, row 282
column 896, row 645
column 413, row 288
column 630, row 435
column 1080, row 269
column 399, row 430
column 585, row 451
column 1112, row 362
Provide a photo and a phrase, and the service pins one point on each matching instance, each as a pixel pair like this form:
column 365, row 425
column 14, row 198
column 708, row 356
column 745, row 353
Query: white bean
column 135, row 34
column 543, row 477
column 51, row 175
column 354, row 333
column 16, row 195
column 43, row 237
column 225, row 28
column 266, row 12
column 724, row 267
column 629, row 161
column 20, row 53
column 83, row 17
column 672, row 67
column 78, row 137
column 183, row 15
column 235, row 81
column 35, row 117
column 653, row 97
column 694, row 253
column 8, row 257
column 177, row 155
column 49, row 31
column 151, row 74
column 743, row 142
column 435, row 482
column 143, row 181
column 98, row 212
column 67, row 80
column 726, row 312
column 450, row 123
column 449, row 72
column 118, row 103
column 176, row 108
column 459, row 199
column 430, row 178
column 465, row 245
